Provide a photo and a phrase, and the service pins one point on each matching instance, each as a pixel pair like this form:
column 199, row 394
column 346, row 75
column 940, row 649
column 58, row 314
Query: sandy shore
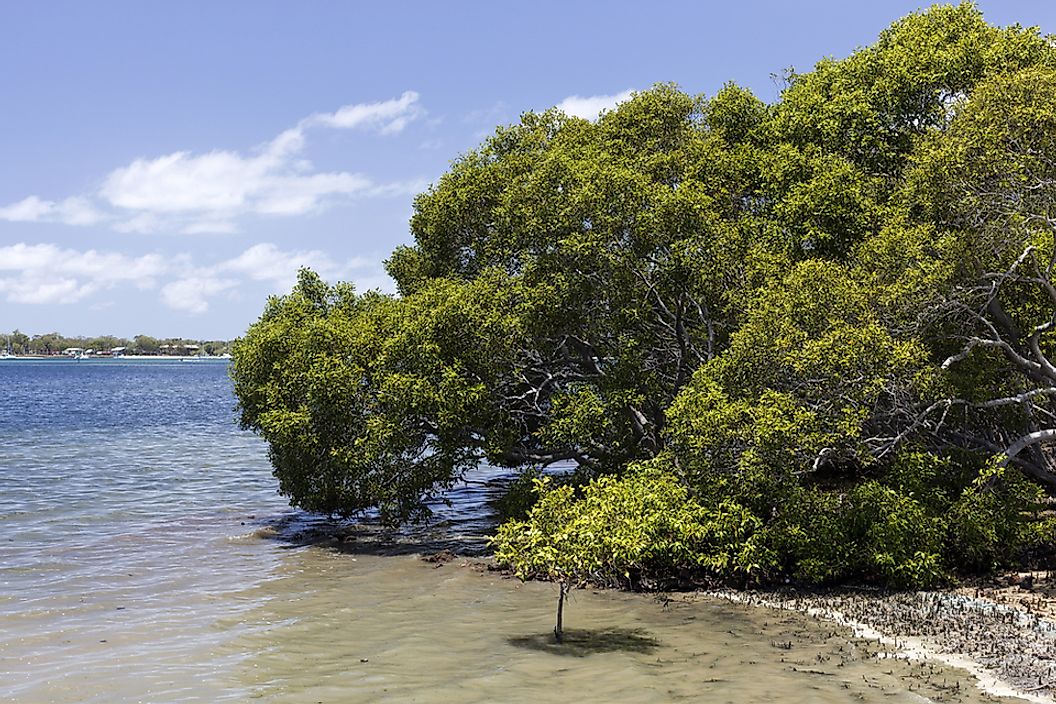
column 1003, row 632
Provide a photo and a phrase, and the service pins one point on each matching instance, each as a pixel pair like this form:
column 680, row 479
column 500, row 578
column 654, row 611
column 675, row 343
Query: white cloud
column 78, row 211
column 34, row 290
column 48, row 274
column 180, row 181
column 72, row 211
column 221, row 185
column 144, row 223
column 296, row 195
column 212, row 227
column 399, row 188
column 286, row 144
column 589, row 108
column 266, row 262
column 102, row 265
column 45, row 273
column 29, row 209
column 191, row 294
column 498, row 112
column 387, row 117
column 207, row 193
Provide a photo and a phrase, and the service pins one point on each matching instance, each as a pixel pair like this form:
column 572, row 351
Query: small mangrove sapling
column 619, row 528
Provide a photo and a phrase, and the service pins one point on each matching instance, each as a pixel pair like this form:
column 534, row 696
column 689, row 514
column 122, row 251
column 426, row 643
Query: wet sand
column 997, row 637
column 342, row 625
column 1003, row 635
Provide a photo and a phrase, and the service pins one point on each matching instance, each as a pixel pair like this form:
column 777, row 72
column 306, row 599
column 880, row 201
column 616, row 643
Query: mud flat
column 1002, row 633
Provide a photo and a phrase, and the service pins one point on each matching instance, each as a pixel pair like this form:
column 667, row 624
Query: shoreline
column 1001, row 635
column 1004, row 638
column 1000, row 631
column 110, row 358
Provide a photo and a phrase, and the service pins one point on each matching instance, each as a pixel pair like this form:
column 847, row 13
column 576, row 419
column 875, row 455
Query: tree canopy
column 830, row 317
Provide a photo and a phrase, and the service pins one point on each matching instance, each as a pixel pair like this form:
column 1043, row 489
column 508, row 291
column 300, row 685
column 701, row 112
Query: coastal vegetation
column 806, row 340
column 52, row 343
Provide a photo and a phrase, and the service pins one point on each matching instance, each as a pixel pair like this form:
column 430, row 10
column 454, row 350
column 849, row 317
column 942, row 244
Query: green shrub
column 622, row 528
column 868, row 530
column 897, row 540
column 811, row 536
column 988, row 526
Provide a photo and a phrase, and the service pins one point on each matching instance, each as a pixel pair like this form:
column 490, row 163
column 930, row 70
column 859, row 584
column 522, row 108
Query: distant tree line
column 53, row 343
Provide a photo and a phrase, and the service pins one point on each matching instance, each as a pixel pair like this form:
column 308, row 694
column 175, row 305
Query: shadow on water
column 367, row 537
column 581, row 643
column 461, row 522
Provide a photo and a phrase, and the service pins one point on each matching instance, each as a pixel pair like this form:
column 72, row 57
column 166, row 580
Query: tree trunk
column 559, row 630
column 1038, row 472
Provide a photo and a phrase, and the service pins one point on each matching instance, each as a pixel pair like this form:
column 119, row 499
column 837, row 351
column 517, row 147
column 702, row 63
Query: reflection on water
column 144, row 556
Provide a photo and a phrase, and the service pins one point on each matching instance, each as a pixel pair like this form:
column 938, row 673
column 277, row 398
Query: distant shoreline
column 111, row 358
column 54, row 344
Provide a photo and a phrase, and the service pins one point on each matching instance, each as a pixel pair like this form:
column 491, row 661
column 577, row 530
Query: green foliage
column 812, row 375
column 367, row 402
column 621, row 529
column 518, row 497
column 778, row 341
column 987, row 525
column 991, row 173
column 873, row 105
column 897, row 540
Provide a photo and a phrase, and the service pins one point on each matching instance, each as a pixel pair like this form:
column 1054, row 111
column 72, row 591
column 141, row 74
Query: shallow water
column 144, row 556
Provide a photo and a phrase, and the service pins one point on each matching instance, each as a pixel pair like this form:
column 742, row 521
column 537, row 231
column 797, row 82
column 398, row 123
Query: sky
column 164, row 167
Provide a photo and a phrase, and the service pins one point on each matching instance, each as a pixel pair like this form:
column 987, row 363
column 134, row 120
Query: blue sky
column 166, row 166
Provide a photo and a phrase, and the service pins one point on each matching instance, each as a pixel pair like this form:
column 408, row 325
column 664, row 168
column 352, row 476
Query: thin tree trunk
column 559, row 630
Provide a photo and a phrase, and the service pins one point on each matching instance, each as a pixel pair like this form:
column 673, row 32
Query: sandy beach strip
column 1002, row 632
